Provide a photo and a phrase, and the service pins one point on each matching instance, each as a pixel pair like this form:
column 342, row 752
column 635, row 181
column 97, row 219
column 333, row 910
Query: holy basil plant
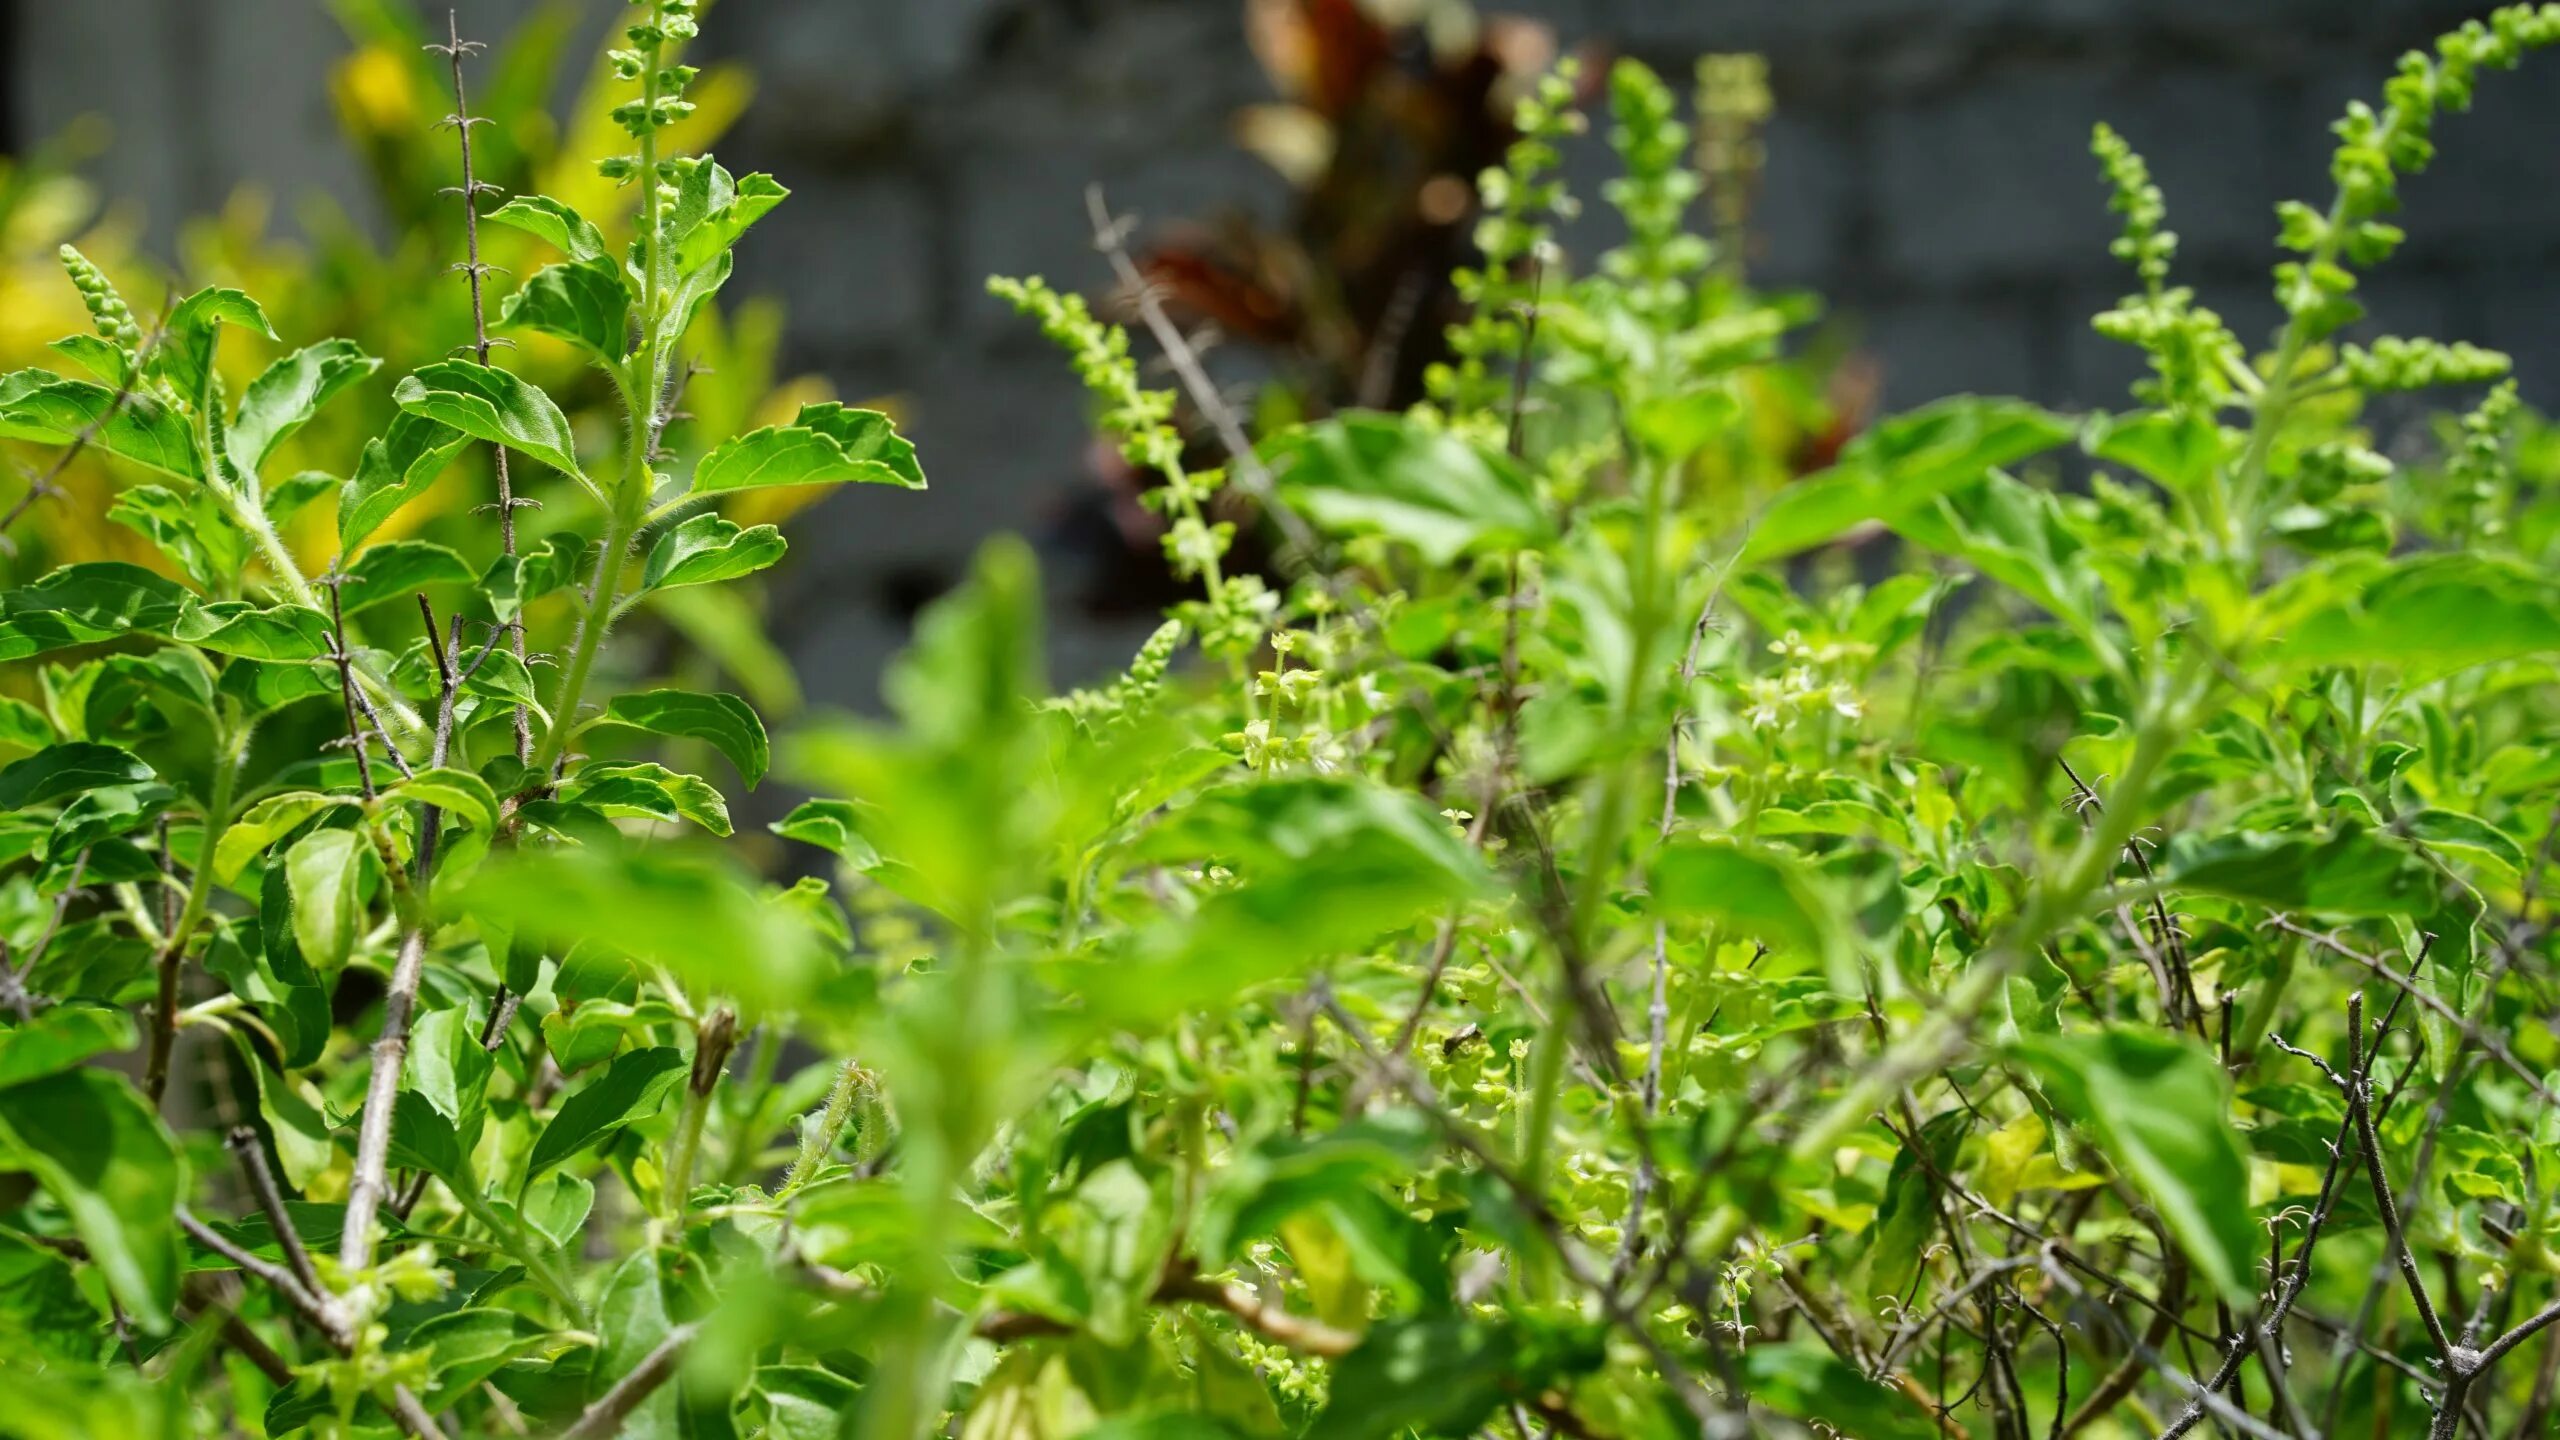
column 1601, row 922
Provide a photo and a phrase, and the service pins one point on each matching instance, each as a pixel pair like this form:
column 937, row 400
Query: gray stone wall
column 1929, row 173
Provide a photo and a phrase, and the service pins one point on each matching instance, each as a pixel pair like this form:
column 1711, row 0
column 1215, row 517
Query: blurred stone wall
column 1929, row 173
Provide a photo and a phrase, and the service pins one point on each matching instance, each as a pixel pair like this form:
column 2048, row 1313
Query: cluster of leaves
column 1576, row 957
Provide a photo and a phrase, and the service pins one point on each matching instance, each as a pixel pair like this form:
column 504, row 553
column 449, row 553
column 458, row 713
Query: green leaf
column 1901, row 465
column 190, row 529
column 422, row 1139
column 1758, row 893
column 1807, row 1382
column 87, row 603
column 557, row 1205
column 59, row 1038
column 325, row 873
column 750, row 200
column 1675, row 427
column 23, row 725
column 2178, row 451
column 459, row 793
column 2467, row 836
column 496, row 406
column 1441, row 493
column 727, row 723
column 96, row 354
column 635, row 789
column 632, row 1316
column 100, row 1150
column 398, row 569
column 291, row 391
column 516, row 581
column 690, row 294
column 67, row 770
column 396, row 469
column 43, row 407
column 1261, row 1187
column 827, row 445
column 2352, row 872
column 2160, row 1107
column 2014, row 534
column 2429, row 615
column 262, row 825
column 585, row 303
column 289, row 497
column 661, row 905
column 467, row 1346
column 447, row 1064
column 44, row 1313
column 706, row 550
column 565, row 229
column 632, row 1088
column 831, row 825
column 806, row 1402
column 194, row 329
column 1325, row 866
column 281, row 633
column 260, row 688
column 1440, row 1376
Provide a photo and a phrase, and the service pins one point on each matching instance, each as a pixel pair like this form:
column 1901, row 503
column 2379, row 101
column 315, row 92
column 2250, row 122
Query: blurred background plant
column 378, row 268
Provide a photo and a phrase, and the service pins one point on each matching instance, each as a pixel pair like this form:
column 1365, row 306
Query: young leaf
column 1757, row 893
column 190, row 529
column 285, row 397
column 642, row 790
column 2430, row 615
column 2161, row 1109
column 100, row 1150
column 493, row 405
column 1439, row 1376
column 662, row 906
column 630, row 1089
column 1439, row 492
column 728, row 723
column 59, row 1038
column 706, row 550
column 585, row 303
column 67, row 770
column 751, row 198
column 2178, row 451
column 2352, row 872
column 325, row 873
column 565, row 229
column 194, row 330
column 281, row 633
column 1900, row 466
column 398, row 569
column 43, row 407
column 86, row 603
column 464, row 795
column 827, row 445
column 263, row 824
column 422, row 1139
column 831, row 825
column 515, row 581
column 447, row 1064
column 395, row 470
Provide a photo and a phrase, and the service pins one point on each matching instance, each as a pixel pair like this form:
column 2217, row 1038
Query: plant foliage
column 1596, row 942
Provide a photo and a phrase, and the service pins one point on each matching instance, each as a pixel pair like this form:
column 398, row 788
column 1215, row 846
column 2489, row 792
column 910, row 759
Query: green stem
column 536, row 1259
column 816, row 1141
column 173, row 948
column 682, row 1147
column 593, row 621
